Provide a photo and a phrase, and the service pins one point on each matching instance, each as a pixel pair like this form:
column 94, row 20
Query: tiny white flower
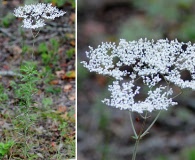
column 30, row 23
column 35, row 14
column 123, row 97
column 151, row 61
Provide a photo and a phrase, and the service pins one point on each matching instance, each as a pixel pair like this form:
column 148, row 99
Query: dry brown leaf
column 61, row 50
column 16, row 50
column 71, row 97
column 54, row 82
column 70, row 74
column 67, row 87
column 70, row 35
column 60, row 74
column 62, row 109
column 72, row 119
column 72, row 43
column 72, row 17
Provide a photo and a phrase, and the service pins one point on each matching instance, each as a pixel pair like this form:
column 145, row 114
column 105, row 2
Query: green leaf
column 134, row 137
column 8, row 19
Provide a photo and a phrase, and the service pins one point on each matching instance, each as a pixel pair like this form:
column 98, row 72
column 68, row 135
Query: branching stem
column 141, row 133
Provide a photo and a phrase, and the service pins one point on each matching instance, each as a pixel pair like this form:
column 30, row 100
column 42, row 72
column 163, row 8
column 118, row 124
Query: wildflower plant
column 24, row 90
column 149, row 61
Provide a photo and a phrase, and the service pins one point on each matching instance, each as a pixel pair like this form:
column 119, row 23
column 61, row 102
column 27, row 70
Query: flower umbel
column 123, row 97
column 147, row 60
column 35, row 14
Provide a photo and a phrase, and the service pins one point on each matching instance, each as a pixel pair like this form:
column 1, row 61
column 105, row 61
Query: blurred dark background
column 104, row 133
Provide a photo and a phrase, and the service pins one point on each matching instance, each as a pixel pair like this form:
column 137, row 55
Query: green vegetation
column 47, row 102
column 29, row 112
column 70, row 53
column 60, row 3
column 5, row 147
column 7, row 20
column 49, row 52
column 3, row 95
column 187, row 154
column 23, row 91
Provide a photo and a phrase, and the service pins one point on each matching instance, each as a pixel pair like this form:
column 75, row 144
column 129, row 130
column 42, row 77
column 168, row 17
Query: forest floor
column 50, row 133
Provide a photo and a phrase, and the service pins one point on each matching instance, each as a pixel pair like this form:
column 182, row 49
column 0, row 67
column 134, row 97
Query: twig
column 9, row 73
column 59, row 29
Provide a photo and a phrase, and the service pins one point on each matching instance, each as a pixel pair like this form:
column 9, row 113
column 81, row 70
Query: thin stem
column 146, row 131
column 135, row 149
column 168, row 83
column 34, row 36
column 177, row 95
column 144, row 117
column 25, row 147
column 132, row 125
column 138, row 138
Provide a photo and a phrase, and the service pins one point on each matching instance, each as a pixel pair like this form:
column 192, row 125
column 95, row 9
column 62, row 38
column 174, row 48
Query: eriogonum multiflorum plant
column 152, row 62
column 34, row 15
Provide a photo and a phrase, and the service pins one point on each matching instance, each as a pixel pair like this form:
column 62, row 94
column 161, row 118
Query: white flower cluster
column 35, row 14
column 150, row 60
column 123, row 97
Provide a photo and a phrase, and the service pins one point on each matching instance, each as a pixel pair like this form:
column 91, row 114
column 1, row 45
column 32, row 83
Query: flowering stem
column 141, row 134
column 177, row 94
column 132, row 125
column 135, row 148
column 146, row 131
column 34, row 36
column 138, row 137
